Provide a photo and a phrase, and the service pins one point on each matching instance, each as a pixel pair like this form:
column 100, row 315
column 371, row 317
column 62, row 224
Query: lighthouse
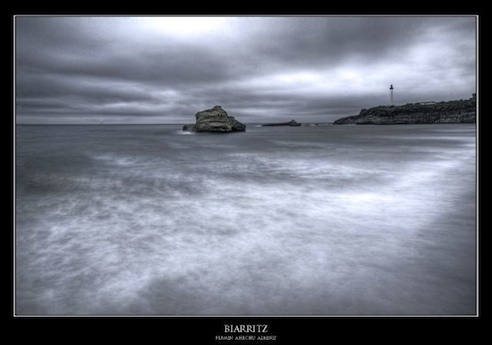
column 391, row 94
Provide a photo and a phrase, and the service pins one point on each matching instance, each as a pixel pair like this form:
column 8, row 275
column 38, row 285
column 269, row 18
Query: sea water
column 320, row 220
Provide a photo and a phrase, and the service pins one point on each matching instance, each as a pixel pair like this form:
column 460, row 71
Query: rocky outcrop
column 189, row 127
column 461, row 111
column 292, row 123
column 215, row 120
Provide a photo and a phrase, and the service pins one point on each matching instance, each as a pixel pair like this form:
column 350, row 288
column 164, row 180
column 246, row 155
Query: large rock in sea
column 215, row 120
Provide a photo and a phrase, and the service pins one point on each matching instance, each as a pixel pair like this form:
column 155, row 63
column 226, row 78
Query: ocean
column 312, row 220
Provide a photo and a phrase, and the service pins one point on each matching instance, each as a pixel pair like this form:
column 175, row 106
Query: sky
column 155, row 69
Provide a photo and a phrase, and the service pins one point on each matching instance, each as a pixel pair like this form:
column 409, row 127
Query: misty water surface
column 328, row 220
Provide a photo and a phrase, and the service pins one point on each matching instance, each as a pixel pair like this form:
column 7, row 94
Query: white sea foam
column 252, row 232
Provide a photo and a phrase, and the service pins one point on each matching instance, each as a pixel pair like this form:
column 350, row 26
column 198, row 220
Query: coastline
column 459, row 111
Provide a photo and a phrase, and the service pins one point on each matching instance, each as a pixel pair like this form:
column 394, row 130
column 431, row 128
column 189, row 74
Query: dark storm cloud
column 257, row 67
column 328, row 41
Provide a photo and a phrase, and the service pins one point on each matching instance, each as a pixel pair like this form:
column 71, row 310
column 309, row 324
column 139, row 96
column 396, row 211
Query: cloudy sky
column 260, row 69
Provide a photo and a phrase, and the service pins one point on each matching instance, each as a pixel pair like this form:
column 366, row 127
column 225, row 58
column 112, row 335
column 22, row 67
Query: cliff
column 460, row 111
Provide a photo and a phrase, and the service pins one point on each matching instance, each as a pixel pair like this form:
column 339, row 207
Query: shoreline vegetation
column 458, row 111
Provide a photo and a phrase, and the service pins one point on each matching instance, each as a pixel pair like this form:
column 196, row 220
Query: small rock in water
column 292, row 123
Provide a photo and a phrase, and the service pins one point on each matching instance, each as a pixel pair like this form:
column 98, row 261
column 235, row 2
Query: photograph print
column 308, row 166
